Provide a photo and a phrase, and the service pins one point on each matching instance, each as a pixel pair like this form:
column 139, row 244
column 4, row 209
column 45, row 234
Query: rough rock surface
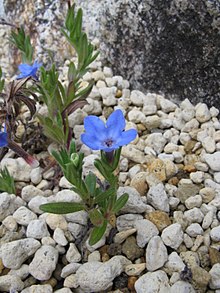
column 173, row 46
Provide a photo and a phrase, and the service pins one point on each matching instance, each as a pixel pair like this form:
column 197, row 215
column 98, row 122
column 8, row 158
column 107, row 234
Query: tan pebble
column 123, row 235
column 173, row 181
column 135, row 269
column 118, row 94
column 158, row 169
column 214, row 255
column 197, row 242
column 170, row 168
column 56, row 221
column 105, row 257
column 160, row 219
column 1, row 266
column 131, row 282
column 200, row 276
column 70, row 281
column 51, row 281
column 139, row 183
column 189, row 145
column 189, row 168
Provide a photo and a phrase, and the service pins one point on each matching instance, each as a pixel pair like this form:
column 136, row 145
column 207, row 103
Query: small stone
column 153, row 282
column 186, row 189
column 133, row 154
column 131, row 282
column 139, row 183
column 214, row 256
column 56, row 221
column 10, row 223
column 158, row 198
column 94, row 256
column 135, row 269
column 8, row 282
column 194, row 229
column 59, row 237
column 38, row 289
column 15, row 253
column 207, row 194
column 145, row 231
column 137, row 98
column 193, row 201
column 23, row 216
column 197, row 177
column 156, row 254
column 44, row 263
column 37, row 229
column 151, row 122
column 131, row 249
column 156, row 141
column 157, row 168
column 208, row 144
column 73, row 254
column 207, row 221
column 203, row 113
column 160, row 219
column 194, row 215
column 69, row 269
column 213, row 161
column 174, row 263
column 127, row 221
column 36, row 175
column 215, row 276
column 215, row 234
column 97, row 276
column 135, row 203
column 167, row 106
column 182, row 287
column 120, row 237
column 172, row 235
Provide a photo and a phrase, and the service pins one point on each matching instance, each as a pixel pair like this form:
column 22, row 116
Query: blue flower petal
column 126, row 137
column 28, row 70
column 3, row 139
column 94, row 125
column 116, row 120
column 91, row 141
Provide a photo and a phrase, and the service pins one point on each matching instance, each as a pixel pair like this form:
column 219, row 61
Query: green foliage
column 7, row 183
column 23, row 43
column 2, row 81
column 100, row 202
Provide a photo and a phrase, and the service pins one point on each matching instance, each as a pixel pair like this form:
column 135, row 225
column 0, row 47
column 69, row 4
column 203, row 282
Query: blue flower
column 29, row 70
column 3, row 138
column 109, row 136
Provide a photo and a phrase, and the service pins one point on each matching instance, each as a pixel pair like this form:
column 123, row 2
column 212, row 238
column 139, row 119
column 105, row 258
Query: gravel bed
column 166, row 238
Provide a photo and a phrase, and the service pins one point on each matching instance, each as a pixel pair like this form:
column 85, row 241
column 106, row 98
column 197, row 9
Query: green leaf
column 90, row 182
column 96, row 218
column 7, row 183
column 62, row 207
column 71, row 72
column 120, row 202
column 105, row 195
column 97, row 233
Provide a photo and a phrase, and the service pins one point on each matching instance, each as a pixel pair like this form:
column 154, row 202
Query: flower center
column 108, row 142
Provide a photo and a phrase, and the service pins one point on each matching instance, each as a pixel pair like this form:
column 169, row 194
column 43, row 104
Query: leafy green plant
column 7, row 183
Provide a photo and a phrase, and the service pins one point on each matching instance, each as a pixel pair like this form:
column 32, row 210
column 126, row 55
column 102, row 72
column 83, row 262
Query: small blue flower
column 3, row 138
column 109, row 136
column 29, row 70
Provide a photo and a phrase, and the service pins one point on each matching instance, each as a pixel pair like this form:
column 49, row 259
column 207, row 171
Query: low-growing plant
column 37, row 84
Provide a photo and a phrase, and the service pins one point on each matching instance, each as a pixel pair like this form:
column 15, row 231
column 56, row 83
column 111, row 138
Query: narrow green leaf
column 120, row 202
column 97, row 233
column 62, row 207
column 90, row 182
column 96, row 218
column 104, row 195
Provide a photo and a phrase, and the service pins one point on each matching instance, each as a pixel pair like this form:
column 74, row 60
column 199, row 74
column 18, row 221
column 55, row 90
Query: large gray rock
column 170, row 46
